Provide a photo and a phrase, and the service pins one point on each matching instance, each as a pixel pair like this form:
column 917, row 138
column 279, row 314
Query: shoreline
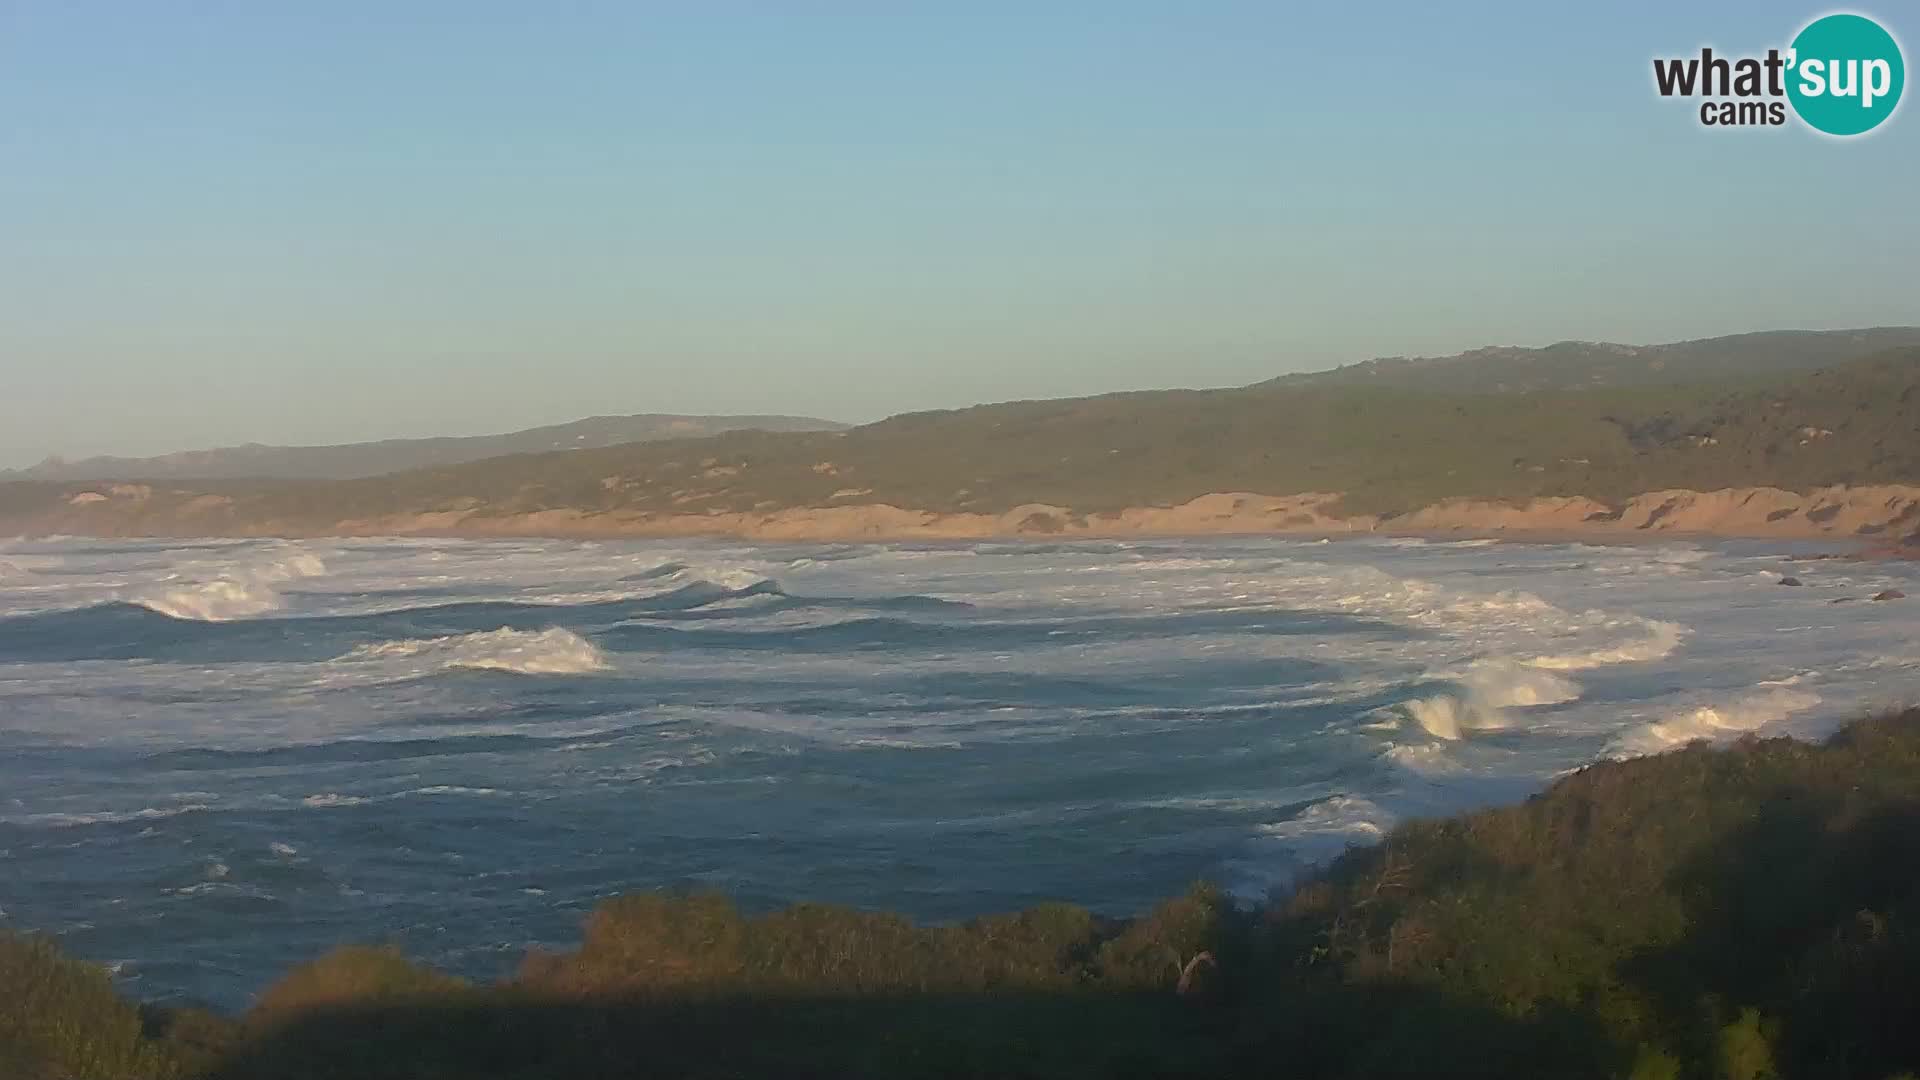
column 1884, row 520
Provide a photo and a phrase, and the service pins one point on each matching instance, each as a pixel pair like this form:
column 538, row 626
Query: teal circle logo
column 1845, row 74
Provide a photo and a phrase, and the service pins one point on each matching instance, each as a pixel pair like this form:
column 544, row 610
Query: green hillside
column 1587, row 365
column 1388, row 449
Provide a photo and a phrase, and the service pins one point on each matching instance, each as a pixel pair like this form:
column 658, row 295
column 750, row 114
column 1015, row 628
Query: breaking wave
column 554, row 651
column 235, row 593
column 731, row 578
column 1746, row 713
column 1486, row 691
column 1657, row 642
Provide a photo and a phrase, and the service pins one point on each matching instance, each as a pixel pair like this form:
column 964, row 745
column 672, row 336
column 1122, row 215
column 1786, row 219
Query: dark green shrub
column 60, row 1019
column 353, row 976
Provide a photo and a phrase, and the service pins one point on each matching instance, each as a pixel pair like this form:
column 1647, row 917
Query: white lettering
column 1878, row 80
column 1813, row 77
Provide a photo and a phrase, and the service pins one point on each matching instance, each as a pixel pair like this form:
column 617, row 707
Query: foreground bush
column 1709, row 914
column 356, row 976
column 666, row 945
column 61, row 1020
column 1643, row 907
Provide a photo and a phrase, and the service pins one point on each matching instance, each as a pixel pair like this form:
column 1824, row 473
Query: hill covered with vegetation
column 1736, row 913
column 1585, row 365
column 1386, row 448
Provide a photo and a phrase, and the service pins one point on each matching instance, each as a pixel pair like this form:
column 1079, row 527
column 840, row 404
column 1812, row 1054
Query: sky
column 225, row 222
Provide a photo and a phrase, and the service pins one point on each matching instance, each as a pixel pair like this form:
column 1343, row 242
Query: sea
column 220, row 758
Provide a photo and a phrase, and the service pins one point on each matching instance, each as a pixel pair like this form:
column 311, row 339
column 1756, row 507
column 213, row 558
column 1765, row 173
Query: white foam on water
column 1426, row 760
column 881, row 742
column 1744, row 713
column 235, row 592
column 1681, row 555
column 104, row 817
column 1227, row 803
column 1488, row 689
column 1657, row 641
column 221, row 888
column 1506, row 622
column 1442, row 716
column 731, row 578
column 1285, row 851
column 554, row 651
column 330, row 799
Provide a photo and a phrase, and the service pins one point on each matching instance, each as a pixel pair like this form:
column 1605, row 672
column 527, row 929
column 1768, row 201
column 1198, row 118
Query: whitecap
column 1427, row 760
column 1487, row 690
column 234, row 592
column 105, row 817
column 883, row 742
column 554, row 651
column 1657, row 641
column 730, row 578
column 1286, row 851
column 1768, row 704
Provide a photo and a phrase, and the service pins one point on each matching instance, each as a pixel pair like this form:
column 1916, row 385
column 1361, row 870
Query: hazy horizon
column 237, row 224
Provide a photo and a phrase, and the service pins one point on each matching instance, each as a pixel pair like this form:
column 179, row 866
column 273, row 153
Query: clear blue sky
column 321, row 222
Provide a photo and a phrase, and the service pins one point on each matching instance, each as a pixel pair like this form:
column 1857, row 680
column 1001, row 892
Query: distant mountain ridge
column 349, row 461
column 1581, row 365
column 1495, row 369
column 1790, row 435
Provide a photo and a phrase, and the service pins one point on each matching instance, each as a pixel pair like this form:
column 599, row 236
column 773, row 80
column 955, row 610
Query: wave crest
column 1486, row 691
column 1657, row 642
column 1713, row 722
column 554, row 651
column 235, row 593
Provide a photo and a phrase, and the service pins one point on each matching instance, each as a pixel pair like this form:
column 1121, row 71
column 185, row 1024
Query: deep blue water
column 219, row 759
